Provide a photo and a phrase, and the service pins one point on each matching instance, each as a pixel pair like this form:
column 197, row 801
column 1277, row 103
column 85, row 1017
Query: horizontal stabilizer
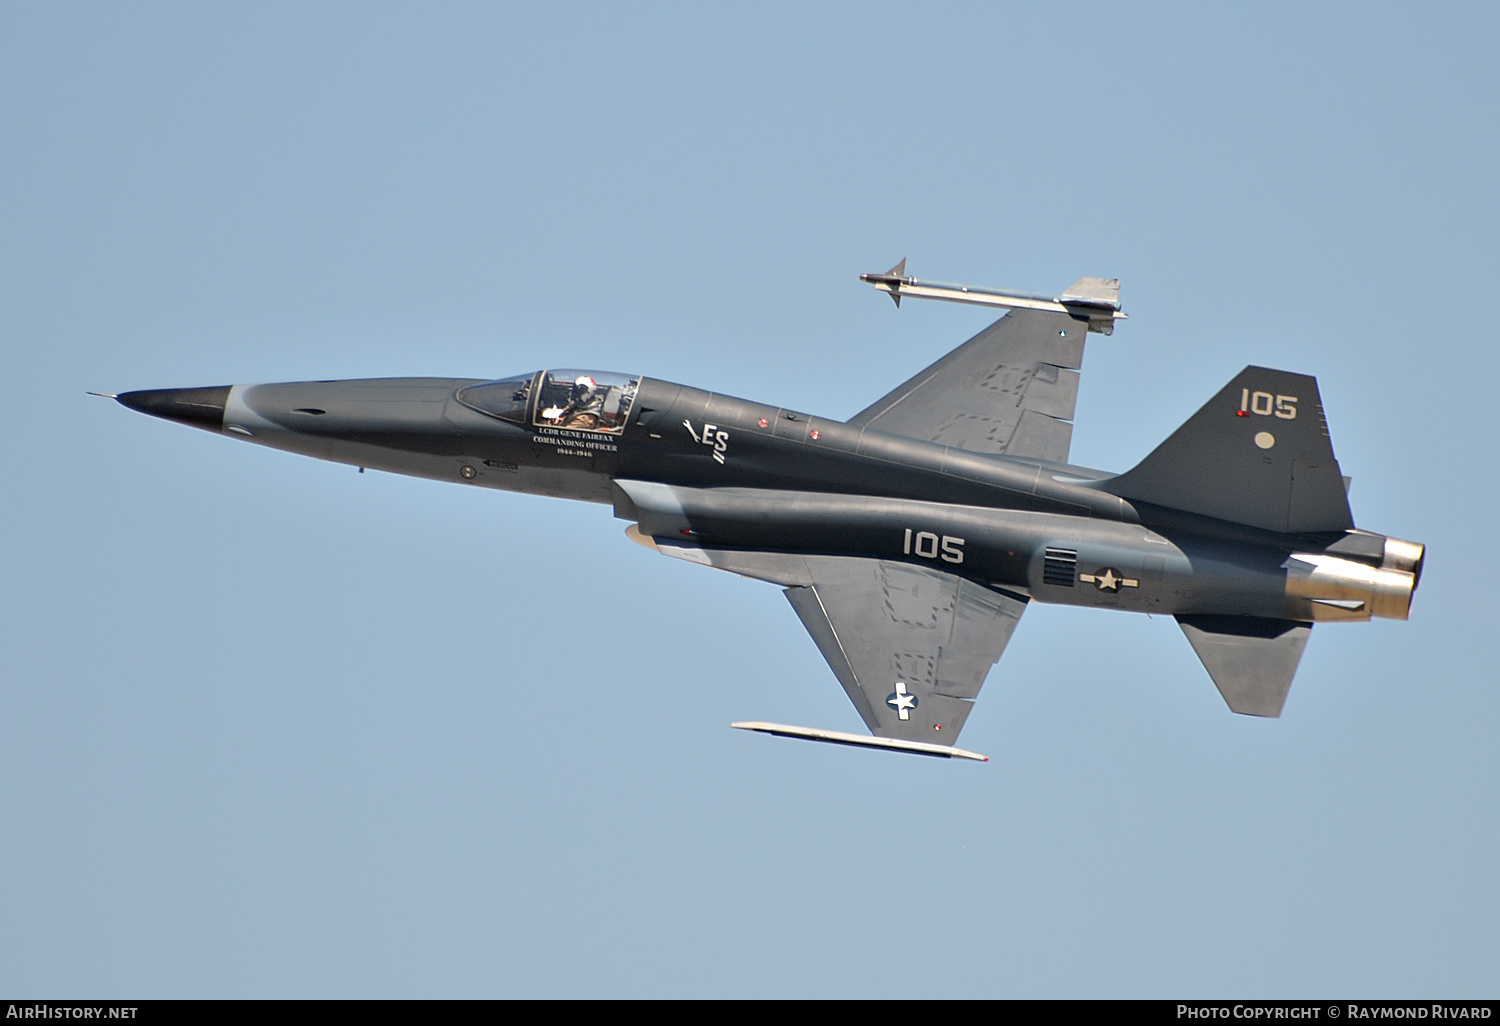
column 835, row 737
column 1251, row 659
column 1257, row 454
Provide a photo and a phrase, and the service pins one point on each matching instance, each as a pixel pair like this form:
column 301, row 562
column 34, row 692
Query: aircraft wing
column 911, row 646
column 1010, row 390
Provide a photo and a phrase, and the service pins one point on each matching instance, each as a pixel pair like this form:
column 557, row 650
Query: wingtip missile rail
column 1094, row 300
column 836, row 737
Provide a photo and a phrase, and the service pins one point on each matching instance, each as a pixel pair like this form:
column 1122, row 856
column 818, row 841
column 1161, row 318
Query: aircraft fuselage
column 700, row 470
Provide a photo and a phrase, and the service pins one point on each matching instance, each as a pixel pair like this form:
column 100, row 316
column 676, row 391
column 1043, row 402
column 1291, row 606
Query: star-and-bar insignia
column 1109, row 579
column 902, row 702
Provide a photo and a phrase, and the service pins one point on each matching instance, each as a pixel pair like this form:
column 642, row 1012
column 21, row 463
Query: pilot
column 585, row 405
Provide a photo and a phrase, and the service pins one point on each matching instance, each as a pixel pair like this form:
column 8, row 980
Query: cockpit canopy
column 577, row 400
column 505, row 399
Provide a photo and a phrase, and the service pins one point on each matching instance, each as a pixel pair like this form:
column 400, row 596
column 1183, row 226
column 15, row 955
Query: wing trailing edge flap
column 1010, row 390
column 1251, row 659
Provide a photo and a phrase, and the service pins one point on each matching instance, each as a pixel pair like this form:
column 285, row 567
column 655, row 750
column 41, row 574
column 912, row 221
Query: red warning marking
column 1241, row 413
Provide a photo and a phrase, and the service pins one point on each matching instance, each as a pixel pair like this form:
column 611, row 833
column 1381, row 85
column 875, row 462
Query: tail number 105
column 931, row 546
column 1263, row 404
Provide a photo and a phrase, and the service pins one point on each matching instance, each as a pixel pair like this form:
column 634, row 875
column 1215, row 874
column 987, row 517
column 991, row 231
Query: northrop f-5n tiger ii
column 910, row 538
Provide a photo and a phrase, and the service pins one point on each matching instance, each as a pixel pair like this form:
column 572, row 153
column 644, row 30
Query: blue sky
column 269, row 727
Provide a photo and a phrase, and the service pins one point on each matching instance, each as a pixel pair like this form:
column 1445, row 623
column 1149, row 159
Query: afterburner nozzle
column 1322, row 587
column 1404, row 555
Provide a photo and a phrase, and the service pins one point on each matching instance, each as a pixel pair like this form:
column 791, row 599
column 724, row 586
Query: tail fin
column 1257, row 454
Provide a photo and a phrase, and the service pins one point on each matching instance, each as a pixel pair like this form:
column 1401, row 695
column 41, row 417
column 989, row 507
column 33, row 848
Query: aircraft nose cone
column 197, row 407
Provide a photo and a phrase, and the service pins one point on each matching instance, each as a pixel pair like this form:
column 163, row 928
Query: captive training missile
column 1094, row 300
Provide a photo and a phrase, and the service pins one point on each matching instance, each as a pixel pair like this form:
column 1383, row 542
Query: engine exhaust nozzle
column 1321, row 587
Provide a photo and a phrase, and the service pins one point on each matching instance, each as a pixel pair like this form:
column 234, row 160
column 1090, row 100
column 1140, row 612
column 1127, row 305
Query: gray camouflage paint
column 1209, row 528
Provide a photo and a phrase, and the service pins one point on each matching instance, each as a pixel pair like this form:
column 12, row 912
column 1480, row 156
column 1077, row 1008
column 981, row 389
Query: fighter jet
column 910, row 538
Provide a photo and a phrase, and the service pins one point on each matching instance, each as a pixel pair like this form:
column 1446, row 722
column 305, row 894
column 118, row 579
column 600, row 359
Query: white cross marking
column 901, row 701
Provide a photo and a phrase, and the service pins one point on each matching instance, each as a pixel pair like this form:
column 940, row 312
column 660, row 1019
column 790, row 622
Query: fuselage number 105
column 931, row 546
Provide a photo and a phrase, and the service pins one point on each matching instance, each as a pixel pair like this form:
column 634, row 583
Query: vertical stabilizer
column 1257, row 454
